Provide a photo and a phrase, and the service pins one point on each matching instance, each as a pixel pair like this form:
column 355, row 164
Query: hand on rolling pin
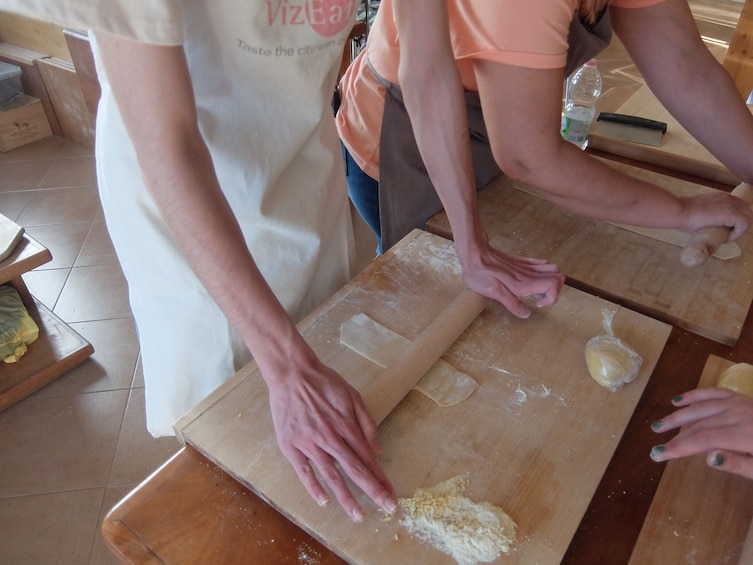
column 715, row 421
column 322, row 422
column 505, row 278
column 704, row 242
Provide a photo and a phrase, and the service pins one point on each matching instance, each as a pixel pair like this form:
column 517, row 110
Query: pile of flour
column 468, row 531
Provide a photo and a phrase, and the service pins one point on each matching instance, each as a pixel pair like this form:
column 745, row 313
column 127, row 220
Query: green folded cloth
column 17, row 328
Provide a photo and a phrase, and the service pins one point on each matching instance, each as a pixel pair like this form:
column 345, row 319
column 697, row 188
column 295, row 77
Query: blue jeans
column 364, row 193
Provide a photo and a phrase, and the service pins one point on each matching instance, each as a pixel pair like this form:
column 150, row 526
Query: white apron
column 263, row 74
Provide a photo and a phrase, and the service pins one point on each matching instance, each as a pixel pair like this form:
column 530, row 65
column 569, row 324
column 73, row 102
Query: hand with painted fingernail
column 714, row 421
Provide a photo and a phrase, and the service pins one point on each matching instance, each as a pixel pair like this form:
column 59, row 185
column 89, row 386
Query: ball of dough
column 738, row 377
column 611, row 362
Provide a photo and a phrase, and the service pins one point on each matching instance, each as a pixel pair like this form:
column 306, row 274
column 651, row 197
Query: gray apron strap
column 407, row 198
column 586, row 41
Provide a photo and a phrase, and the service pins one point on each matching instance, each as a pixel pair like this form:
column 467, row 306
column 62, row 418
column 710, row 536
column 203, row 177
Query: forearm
column 434, row 97
column 717, row 117
column 520, row 106
column 577, row 181
column 687, row 79
column 180, row 176
column 445, row 148
column 207, row 233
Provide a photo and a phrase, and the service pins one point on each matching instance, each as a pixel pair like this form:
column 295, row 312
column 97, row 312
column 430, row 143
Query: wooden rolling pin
column 704, row 243
column 403, row 374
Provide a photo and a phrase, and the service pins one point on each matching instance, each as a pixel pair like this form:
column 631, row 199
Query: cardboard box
column 23, row 123
column 10, row 84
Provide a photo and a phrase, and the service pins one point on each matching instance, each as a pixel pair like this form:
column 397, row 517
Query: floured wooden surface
column 535, row 437
column 679, row 150
column 712, row 300
column 698, row 514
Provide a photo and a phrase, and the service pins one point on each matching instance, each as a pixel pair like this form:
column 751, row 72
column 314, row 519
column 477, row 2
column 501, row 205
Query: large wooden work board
column 679, row 151
column 699, row 514
column 535, row 437
column 711, row 300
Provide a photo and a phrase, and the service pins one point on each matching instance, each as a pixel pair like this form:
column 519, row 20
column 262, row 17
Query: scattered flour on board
column 521, row 395
column 308, row 555
column 470, row 532
column 440, row 258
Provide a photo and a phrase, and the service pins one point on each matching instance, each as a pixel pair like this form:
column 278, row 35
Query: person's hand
column 322, row 422
column 716, row 421
column 718, row 208
column 506, row 278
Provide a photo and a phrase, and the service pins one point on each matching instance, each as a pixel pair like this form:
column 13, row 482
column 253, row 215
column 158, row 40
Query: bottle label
column 575, row 127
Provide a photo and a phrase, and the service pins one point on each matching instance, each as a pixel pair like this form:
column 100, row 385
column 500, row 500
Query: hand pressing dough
column 738, row 377
column 610, row 361
column 444, row 384
column 470, row 532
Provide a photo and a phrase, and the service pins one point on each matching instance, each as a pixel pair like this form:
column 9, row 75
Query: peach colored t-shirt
column 531, row 34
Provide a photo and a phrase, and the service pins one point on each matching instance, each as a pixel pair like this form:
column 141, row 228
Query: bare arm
column 434, row 98
column 522, row 109
column 664, row 43
column 319, row 419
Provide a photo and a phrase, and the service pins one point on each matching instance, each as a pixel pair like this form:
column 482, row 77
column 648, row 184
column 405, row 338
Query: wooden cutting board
column 535, row 437
column 699, row 514
column 641, row 272
column 10, row 234
column 679, row 150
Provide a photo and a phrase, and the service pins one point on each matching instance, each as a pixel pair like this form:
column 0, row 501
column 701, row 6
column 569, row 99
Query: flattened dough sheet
column 444, row 384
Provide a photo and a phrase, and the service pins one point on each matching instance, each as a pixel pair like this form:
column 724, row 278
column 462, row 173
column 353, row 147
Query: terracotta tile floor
column 74, row 448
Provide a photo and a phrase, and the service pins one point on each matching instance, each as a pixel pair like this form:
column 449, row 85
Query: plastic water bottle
column 582, row 90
